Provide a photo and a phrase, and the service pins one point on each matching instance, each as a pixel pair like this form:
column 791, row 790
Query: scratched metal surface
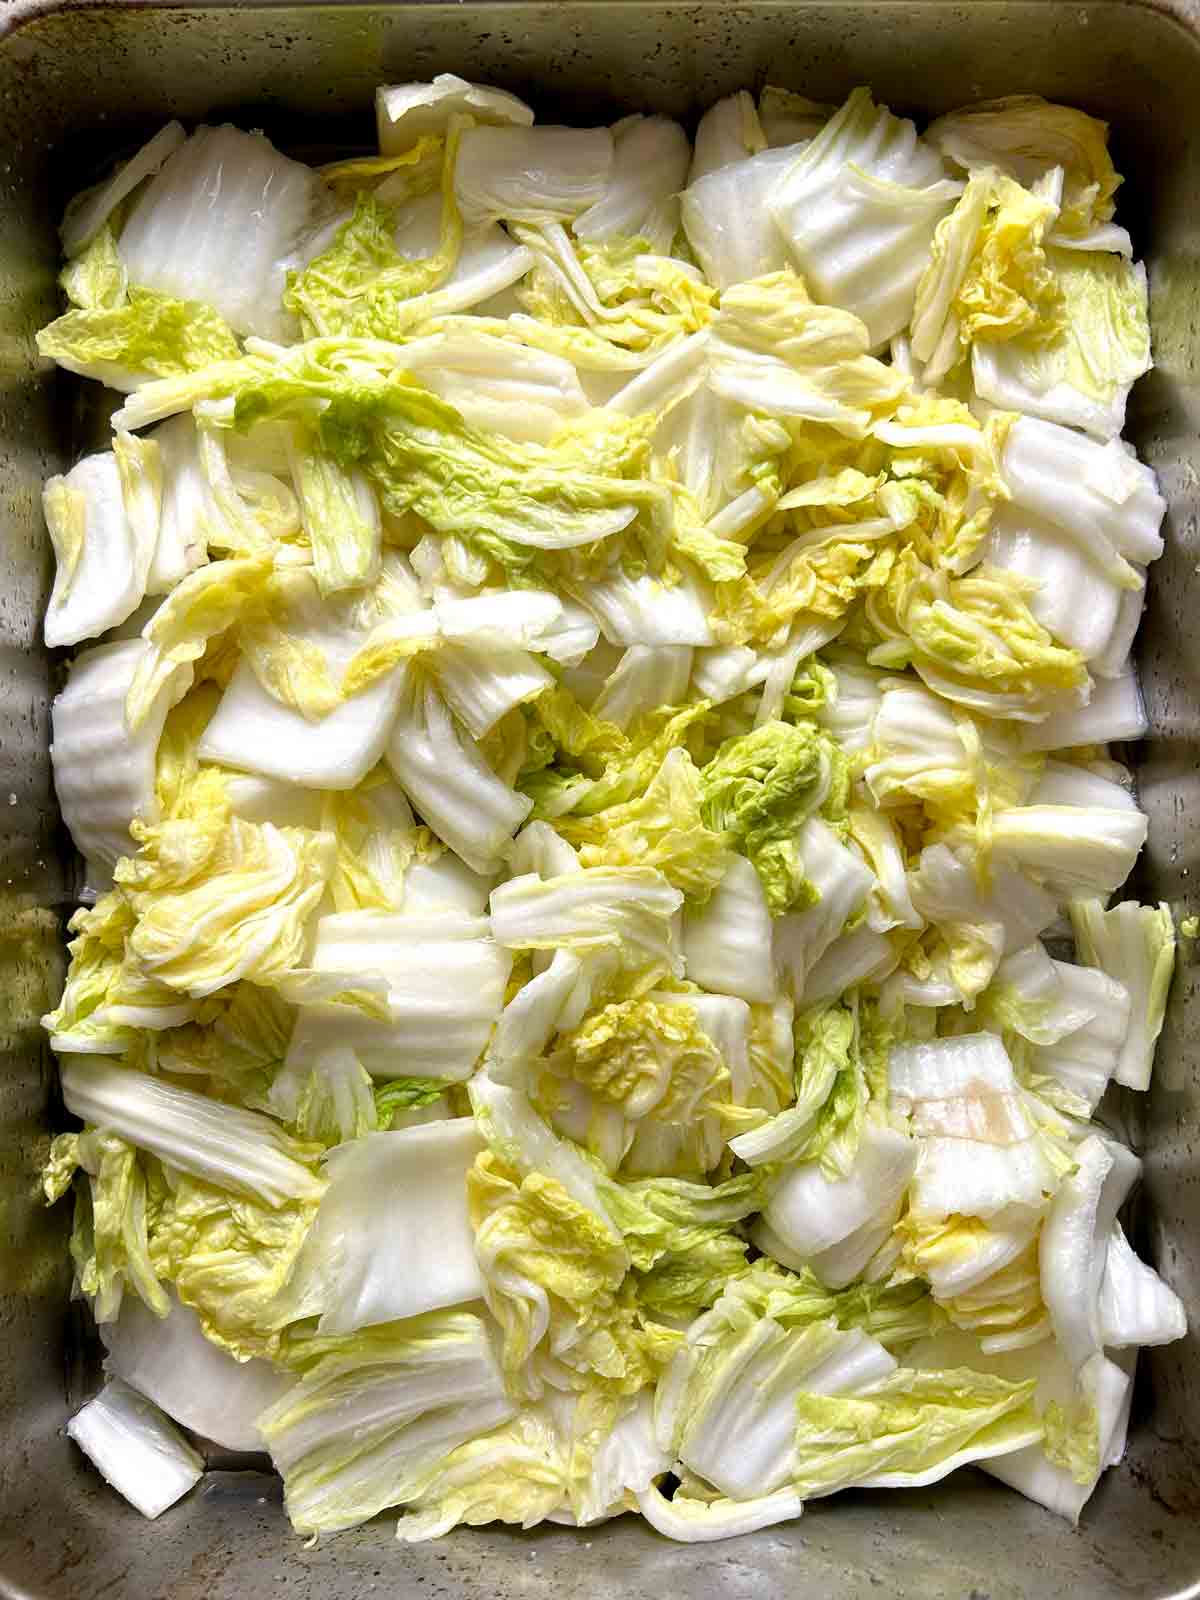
column 77, row 83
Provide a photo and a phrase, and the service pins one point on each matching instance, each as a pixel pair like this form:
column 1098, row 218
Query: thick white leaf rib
column 445, row 979
column 242, row 1151
column 133, row 1446
column 217, row 223
column 104, row 776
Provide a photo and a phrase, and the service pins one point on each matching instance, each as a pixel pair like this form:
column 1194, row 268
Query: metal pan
column 79, row 82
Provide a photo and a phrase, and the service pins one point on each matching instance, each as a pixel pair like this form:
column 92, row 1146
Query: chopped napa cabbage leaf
column 629, row 910
column 834, row 1225
column 375, row 1412
column 698, row 1519
column 539, row 849
column 362, row 283
column 664, row 828
column 186, row 516
column 88, row 211
column 1076, row 599
column 1028, row 137
column 761, row 788
column 1100, row 495
column 553, row 1272
column 977, row 926
column 1005, row 1309
column 727, row 940
column 650, row 163
column 752, row 1406
column 482, row 683
column 524, row 1142
column 612, row 1461
column 516, row 1473
column 1136, row 1306
column 215, row 903
column 789, row 118
column 895, row 1311
column 391, row 1237
column 229, row 1258
column 705, row 1046
column 532, row 619
column 489, row 264
column 689, row 1276
column 725, row 216
column 729, row 1403
column 840, row 1054
column 1084, row 1058
column 391, row 271
column 961, row 1255
column 644, row 611
column 647, row 1056
column 216, row 224
column 1083, row 376
column 446, row 884
column 1065, row 783
column 1084, row 1415
column 1115, row 712
column 1075, row 1240
column 103, row 547
column 858, row 209
column 96, row 279
column 286, row 712
column 928, row 750
column 876, row 835
column 1077, row 850
column 729, row 131
column 407, row 112
column 322, row 1090
column 107, row 998
column 612, row 292
column 1076, row 1020
column 531, row 174
column 1085, row 1432
column 197, row 1384
column 149, row 335
column 570, row 1460
column 861, row 956
column 110, row 1243
column 645, row 678
column 774, row 350
column 975, row 640
column 442, row 770
column 104, row 776
column 493, row 383
column 532, row 1016
column 1136, row 945
column 198, row 610
column 838, row 884
column 377, row 839
column 849, row 712
column 410, row 1103
column 910, row 1429
column 989, row 280
column 339, row 513
column 135, row 1448
column 508, row 499
column 242, row 1151
column 980, row 1149
column 444, row 989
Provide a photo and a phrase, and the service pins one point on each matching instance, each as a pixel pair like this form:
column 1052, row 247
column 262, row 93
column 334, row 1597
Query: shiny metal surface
column 79, row 82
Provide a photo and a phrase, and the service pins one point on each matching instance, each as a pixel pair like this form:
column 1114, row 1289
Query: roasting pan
column 79, row 83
